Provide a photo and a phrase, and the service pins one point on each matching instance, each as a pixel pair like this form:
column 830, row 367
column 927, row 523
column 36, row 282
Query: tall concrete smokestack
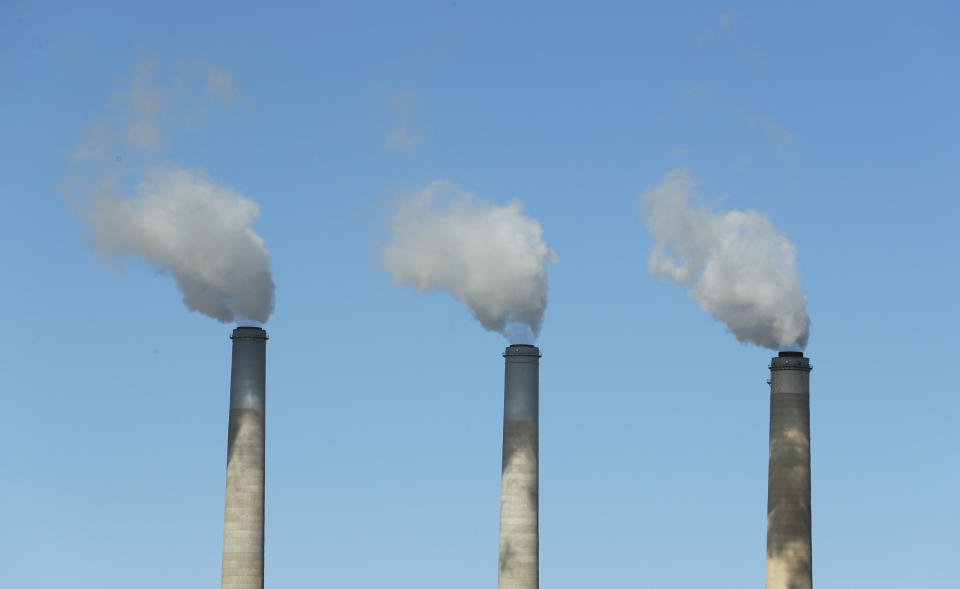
column 243, row 516
column 520, row 485
column 789, row 545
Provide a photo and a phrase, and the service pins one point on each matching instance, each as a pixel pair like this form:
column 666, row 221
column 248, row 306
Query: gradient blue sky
column 839, row 122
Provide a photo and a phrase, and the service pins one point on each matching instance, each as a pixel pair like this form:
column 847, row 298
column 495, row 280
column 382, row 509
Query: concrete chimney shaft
column 789, row 544
column 243, row 515
column 520, row 483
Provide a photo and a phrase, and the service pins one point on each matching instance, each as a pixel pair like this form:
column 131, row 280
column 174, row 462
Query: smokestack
column 789, row 545
column 520, row 486
column 243, row 515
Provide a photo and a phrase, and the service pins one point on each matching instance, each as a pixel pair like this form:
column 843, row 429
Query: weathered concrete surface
column 244, row 514
column 519, row 508
column 519, row 562
column 789, row 541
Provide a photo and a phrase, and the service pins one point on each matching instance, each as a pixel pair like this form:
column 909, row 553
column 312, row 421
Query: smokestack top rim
column 249, row 332
column 791, row 361
column 522, row 350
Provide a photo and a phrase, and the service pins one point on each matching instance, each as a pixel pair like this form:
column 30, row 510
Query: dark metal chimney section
column 520, row 483
column 243, row 515
column 789, row 544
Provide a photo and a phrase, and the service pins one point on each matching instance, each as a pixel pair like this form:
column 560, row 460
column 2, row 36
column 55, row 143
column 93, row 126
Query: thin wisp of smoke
column 185, row 225
column 736, row 265
column 179, row 220
column 492, row 258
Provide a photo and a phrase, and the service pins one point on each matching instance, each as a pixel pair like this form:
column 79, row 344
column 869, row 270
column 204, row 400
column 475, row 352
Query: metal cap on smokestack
column 243, row 513
column 520, row 487
column 789, row 543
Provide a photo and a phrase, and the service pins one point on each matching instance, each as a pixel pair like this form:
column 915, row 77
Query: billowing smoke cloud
column 489, row 257
column 186, row 225
column 736, row 264
column 180, row 221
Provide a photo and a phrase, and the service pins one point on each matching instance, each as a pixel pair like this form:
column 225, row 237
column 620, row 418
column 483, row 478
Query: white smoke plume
column 736, row 265
column 179, row 220
column 492, row 258
column 186, row 225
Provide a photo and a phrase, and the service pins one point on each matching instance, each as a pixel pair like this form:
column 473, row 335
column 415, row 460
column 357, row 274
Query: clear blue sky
column 838, row 122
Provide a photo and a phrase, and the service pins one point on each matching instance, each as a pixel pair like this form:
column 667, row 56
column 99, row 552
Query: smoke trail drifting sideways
column 489, row 257
column 186, row 225
column 737, row 266
column 180, row 221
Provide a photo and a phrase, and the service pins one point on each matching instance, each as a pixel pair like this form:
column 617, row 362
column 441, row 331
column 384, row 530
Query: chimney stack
column 243, row 515
column 789, row 545
column 520, row 486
